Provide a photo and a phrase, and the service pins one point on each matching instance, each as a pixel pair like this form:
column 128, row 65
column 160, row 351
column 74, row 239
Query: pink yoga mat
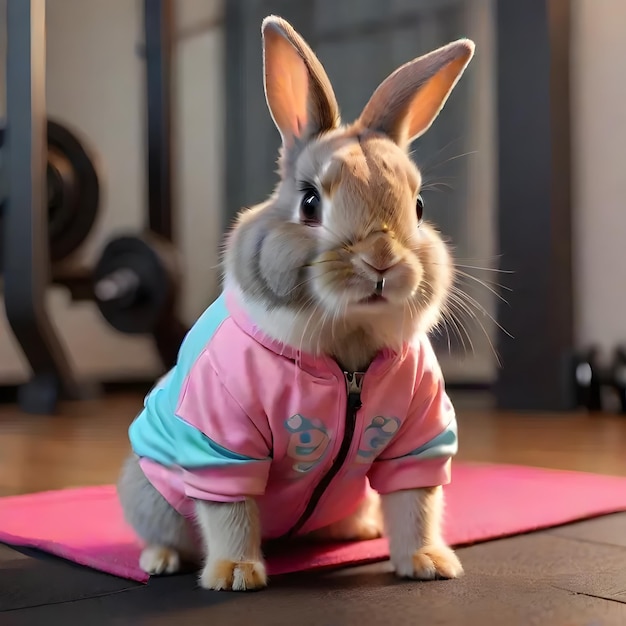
column 483, row 502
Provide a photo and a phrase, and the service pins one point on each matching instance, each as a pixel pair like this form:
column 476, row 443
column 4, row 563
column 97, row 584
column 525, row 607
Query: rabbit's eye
column 310, row 208
column 419, row 208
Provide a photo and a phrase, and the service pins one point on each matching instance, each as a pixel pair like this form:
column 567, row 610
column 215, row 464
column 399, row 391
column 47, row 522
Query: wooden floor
column 86, row 443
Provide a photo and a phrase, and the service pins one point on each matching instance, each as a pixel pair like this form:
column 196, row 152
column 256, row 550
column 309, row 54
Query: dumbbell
column 591, row 378
column 135, row 282
column 619, row 375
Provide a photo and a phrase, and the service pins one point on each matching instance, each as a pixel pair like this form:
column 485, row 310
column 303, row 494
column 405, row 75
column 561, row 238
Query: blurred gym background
column 522, row 173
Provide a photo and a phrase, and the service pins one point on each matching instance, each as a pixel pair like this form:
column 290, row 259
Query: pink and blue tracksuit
column 241, row 415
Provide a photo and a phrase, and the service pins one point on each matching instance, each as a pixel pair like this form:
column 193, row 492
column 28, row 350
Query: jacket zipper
column 354, row 386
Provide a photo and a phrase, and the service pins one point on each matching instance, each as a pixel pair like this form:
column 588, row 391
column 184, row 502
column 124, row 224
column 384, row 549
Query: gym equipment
column 135, row 282
column 593, row 379
column 618, row 375
column 26, row 257
column 73, row 191
column 51, row 205
column 136, row 287
column 137, row 277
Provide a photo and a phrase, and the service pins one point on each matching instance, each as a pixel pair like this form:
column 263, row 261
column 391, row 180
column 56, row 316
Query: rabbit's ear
column 298, row 92
column 407, row 102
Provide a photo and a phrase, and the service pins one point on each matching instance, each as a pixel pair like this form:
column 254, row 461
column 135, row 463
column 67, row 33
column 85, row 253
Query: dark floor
column 570, row 576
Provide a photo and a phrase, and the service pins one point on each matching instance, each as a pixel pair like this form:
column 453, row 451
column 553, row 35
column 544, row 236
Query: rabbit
column 307, row 401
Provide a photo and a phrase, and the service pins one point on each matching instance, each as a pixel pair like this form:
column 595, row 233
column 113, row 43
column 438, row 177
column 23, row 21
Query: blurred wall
column 599, row 174
column 95, row 84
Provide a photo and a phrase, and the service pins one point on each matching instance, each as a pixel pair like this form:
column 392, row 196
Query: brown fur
column 405, row 104
column 302, row 284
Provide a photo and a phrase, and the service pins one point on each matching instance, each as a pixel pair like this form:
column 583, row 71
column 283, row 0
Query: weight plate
column 71, row 222
column 73, row 191
column 150, row 261
column 62, row 196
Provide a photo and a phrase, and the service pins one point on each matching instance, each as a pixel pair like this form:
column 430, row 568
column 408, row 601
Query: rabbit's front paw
column 233, row 575
column 429, row 563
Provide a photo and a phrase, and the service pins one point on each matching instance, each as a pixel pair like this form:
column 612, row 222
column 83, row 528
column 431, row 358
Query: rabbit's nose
column 380, row 267
column 379, row 255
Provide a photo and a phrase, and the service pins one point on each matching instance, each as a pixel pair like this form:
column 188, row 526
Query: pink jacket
column 241, row 415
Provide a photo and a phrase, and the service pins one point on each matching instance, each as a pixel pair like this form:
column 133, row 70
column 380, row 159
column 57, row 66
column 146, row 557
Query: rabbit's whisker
column 484, row 269
column 487, row 285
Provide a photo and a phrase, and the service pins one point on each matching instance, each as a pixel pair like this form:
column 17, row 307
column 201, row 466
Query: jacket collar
column 316, row 364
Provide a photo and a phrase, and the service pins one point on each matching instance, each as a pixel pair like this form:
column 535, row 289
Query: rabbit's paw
column 430, row 563
column 225, row 575
column 159, row 560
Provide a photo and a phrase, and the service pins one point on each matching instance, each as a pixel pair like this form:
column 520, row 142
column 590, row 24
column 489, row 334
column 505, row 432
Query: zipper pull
column 354, row 384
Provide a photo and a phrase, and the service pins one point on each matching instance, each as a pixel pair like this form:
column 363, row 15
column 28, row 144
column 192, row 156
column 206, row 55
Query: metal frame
column 158, row 33
column 159, row 30
column 26, row 258
column 534, row 204
column 234, row 55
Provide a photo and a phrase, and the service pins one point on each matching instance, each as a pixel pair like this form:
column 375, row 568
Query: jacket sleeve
column 224, row 453
column 420, row 454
